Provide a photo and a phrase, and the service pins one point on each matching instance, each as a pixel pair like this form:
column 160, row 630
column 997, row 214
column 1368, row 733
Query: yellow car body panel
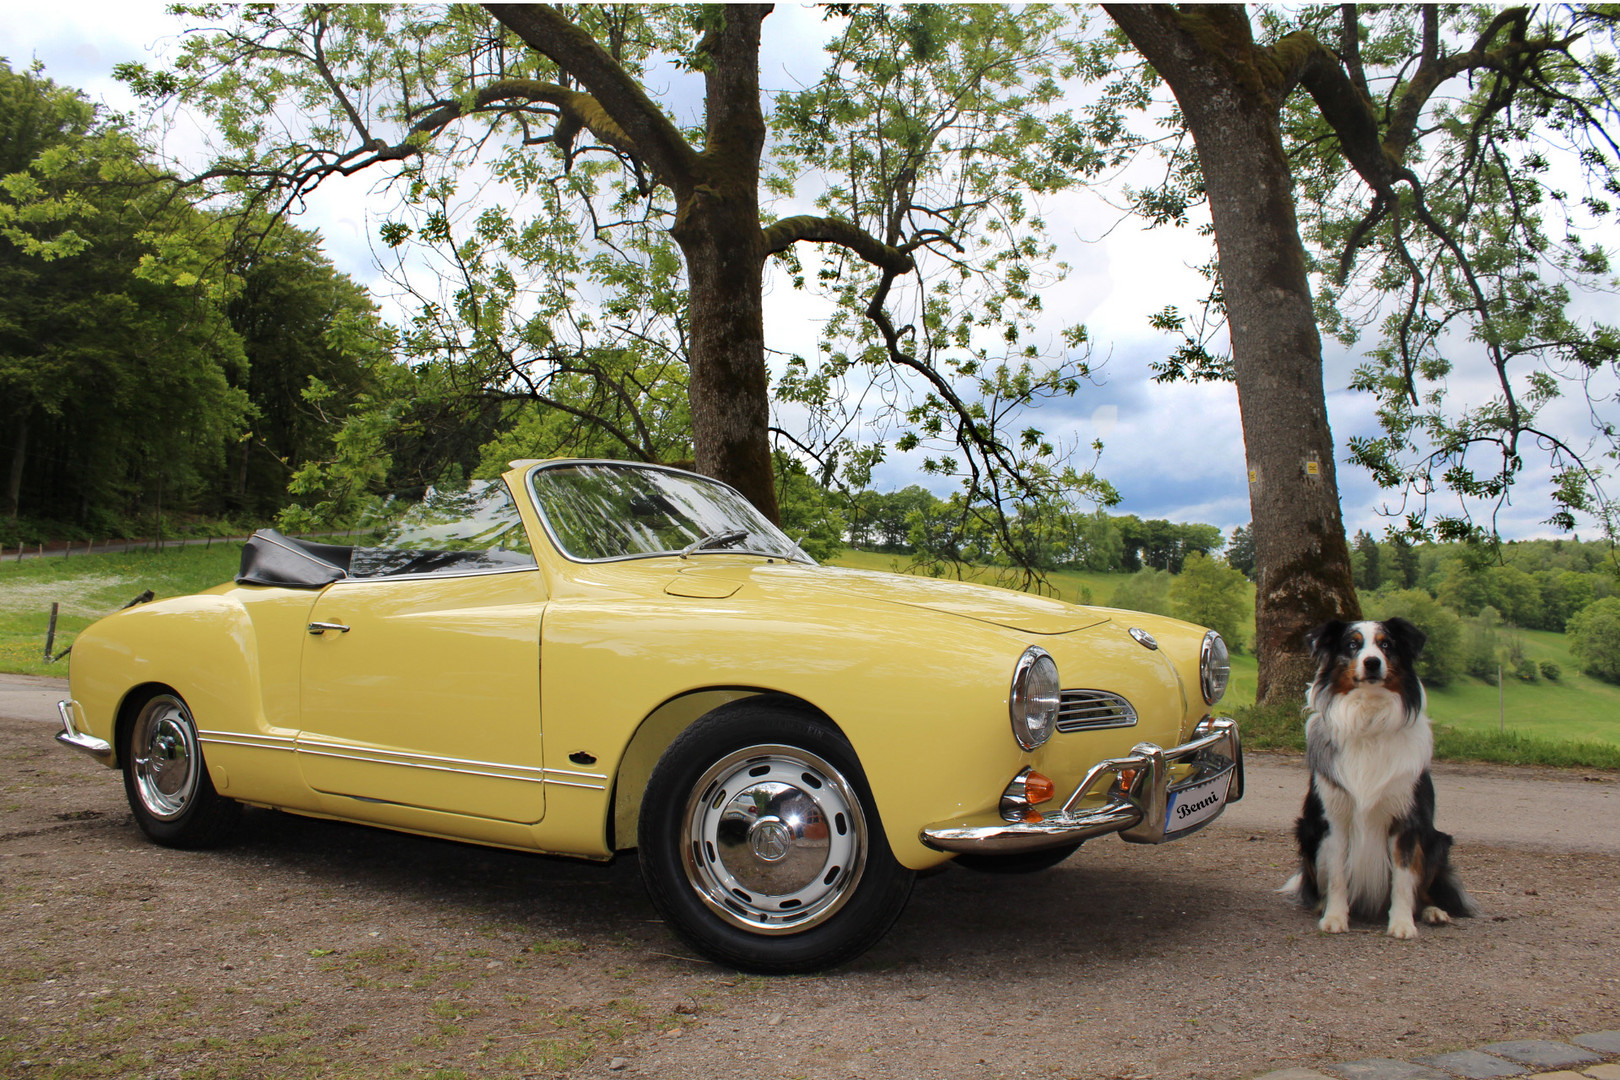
column 430, row 698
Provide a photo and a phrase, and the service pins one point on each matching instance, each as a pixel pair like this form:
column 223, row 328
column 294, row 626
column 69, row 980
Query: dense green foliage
column 1594, row 638
column 149, row 369
column 118, row 369
column 1213, row 594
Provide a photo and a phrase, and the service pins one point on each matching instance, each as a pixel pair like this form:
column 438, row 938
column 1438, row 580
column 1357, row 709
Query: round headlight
column 1036, row 694
column 1214, row 667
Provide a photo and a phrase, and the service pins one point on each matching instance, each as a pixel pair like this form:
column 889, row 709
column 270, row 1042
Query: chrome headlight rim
column 1034, row 698
column 1214, row 667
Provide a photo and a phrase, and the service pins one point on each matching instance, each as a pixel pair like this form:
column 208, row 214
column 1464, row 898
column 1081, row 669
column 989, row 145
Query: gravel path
column 310, row 947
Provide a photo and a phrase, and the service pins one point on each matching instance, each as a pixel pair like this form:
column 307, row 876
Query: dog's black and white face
column 1353, row 655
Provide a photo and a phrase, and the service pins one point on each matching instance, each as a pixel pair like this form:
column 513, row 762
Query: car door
column 420, row 684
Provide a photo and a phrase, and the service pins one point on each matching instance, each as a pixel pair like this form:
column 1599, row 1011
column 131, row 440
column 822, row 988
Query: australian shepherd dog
column 1367, row 842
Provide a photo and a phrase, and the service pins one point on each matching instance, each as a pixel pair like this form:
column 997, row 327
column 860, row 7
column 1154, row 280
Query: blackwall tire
column 761, row 846
column 166, row 779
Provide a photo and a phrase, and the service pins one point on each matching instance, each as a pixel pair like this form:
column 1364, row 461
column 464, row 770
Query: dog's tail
column 1447, row 894
column 1446, row 891
column 1301, row 888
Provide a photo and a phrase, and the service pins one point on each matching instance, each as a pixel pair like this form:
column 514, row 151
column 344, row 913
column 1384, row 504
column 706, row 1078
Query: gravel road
column 311, row 947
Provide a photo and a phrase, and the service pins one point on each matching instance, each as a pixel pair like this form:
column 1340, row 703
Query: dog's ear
column 1408, row 638
column 1324, row 639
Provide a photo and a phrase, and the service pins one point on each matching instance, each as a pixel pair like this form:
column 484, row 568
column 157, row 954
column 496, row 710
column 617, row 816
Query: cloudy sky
column 1173, row 452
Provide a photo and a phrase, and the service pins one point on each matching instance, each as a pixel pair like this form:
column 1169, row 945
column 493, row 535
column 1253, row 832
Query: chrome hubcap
column 165, row 758
column 774, row 839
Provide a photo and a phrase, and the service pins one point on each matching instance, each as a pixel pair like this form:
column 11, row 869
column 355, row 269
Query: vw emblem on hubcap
column 769, row 840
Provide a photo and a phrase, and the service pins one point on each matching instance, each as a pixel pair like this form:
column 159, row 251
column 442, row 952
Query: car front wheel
column 167, row 783
column 760, row 844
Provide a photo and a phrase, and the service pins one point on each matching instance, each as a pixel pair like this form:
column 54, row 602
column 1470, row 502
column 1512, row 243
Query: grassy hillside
column 1574, row 707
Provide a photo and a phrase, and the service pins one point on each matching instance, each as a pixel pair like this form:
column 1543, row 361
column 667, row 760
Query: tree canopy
column 117, row 369
column 600, row 245
column 1398, row 159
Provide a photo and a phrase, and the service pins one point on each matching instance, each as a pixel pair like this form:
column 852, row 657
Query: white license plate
column 1191, row 807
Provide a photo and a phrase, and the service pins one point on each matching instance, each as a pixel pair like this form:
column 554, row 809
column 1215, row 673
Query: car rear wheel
column 760, row 844
column 167, row 783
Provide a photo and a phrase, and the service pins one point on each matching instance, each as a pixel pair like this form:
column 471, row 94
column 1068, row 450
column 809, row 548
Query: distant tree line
column 913, row 521
column 1472, row 601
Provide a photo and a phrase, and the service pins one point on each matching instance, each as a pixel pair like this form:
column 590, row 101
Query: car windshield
column 603, row 510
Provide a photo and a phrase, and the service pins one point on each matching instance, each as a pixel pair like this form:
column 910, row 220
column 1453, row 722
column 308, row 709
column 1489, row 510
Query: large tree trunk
column 716, row 223
column 727, row 384
column 1211, row 64
column 718, row 229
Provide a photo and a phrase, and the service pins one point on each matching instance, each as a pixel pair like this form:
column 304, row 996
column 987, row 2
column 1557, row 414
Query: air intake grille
column 1092, row 710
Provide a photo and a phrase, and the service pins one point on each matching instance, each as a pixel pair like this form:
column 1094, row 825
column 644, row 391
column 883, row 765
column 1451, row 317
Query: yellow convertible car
column 588, row 657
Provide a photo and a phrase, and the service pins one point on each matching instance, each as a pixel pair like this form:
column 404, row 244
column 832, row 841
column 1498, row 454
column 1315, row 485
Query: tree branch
column 830, row 230
column 649, row 134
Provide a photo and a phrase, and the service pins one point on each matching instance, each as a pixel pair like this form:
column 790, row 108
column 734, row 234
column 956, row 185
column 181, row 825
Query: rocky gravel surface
column 313, row 948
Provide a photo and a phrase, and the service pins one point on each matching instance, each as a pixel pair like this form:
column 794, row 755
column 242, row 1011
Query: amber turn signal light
column 1037, row 788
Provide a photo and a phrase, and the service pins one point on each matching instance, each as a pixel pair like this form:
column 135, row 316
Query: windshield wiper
column 715, row 540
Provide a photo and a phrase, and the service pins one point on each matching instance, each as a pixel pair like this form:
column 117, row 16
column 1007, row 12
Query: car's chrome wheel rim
column 773, row 839
column 165, row 758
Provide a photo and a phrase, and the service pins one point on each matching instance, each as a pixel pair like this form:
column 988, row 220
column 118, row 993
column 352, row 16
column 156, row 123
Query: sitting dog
column 1367, row 841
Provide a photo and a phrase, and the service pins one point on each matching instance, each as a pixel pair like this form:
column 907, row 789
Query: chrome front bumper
column 70, row 735
column 1138, row 807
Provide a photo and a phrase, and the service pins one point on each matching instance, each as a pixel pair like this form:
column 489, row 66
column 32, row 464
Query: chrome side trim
column 70, row 735
column 550, row 782
column 246, row 739
column 378, row 756
column 496, row 770
column 575, row 778
column 1136, row 809
column 1094, row 710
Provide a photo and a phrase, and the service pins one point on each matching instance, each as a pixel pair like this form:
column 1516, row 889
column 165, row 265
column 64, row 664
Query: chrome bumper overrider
column 70, row 735
column 1138, row 809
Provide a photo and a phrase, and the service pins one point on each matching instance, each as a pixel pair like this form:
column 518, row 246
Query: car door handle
column 318, row 628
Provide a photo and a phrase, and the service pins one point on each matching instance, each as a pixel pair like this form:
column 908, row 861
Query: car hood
column 1000, row 607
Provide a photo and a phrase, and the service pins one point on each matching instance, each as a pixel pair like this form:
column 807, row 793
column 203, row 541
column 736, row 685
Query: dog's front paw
column 1405, row 929
column 1334, row 922
column 1435, row 916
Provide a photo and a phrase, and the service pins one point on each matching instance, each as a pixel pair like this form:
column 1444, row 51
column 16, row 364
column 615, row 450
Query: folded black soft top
column 268, row 558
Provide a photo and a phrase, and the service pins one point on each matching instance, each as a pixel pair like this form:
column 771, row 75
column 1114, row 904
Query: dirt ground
column 309, row 948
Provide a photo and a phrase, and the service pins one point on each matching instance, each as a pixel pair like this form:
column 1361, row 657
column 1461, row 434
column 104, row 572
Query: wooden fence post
column 50, row 633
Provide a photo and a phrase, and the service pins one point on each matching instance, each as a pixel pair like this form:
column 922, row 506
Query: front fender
column 928, row 723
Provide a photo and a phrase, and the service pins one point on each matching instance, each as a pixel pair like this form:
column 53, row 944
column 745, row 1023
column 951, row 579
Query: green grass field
column 86, row 587
column 1572, row 712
